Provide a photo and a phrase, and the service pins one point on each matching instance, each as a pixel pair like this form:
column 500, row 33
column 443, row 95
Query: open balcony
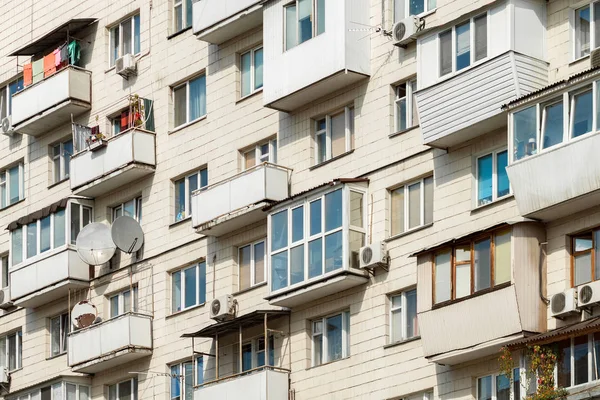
column 238, row 201
column 47, row 277
column 216, row 21
column 110, row 343
column 45, row 105
column 118, row 161
column 336, row 56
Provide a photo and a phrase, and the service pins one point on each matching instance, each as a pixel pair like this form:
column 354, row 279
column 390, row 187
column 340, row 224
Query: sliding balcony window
column 403, row 316
column 12, row 183
column 405, row 109
column 184, row 188
column 463, row 45
column 126, row 390
column 60, row 327
column 491, row 177
column 260, row 153
column 182, row 378
column 124, row 38
column 61, row 159
column 188, row 287
column 189, row 100
column 304, row 19
column 122, row 302
column 586, row 29
column 6, row 93
column 252, row 266
column 251, row 67
column 182, row 12
column 10, row 350
column 131, row 208
column 334, row 134
column 414, row 7
column 411, row 206
column 472, row 267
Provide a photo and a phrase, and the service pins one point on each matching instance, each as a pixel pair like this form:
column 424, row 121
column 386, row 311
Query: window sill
column 331, row 160
column 58, row 183
column 182, row 127
column 497, row 201
column 246, row 97
column 180, row 222
column 398, row 236
column 56, row 356
column 477, row 294
column 249, row 289
column 181, row 32
column 401, row 342
column 327, row 363
column 578, row 60
column 106, row 71
column 13, row 204
column 402, row 132
column 197, row 306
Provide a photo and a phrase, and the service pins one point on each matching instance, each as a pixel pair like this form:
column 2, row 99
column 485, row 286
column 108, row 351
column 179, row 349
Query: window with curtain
column 585, row 260
column 10, row 350
column 189, row 100
column 411, row 205
column 304, row 19
column 260, row 153
column 184, row 188
column 251, row 263
column 182, row 12
column 131, row 208
column 251, row 68
column 334, row 134
column 11, row 185
column 4, row 276
column 455, row 45
column 60, row 326
column 331, row 338
column 405, row 109
column 403, row 316
column 188, row 287
column 124, row 38
column 61, row 160
column 491, row 178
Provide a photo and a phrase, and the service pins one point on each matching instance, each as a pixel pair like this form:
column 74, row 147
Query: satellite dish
column 83, row 314
column 127, row 234
column 94, row 244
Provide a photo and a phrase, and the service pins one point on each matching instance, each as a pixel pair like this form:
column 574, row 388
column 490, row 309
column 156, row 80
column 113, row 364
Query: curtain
column 80, row 134
column 197, row 98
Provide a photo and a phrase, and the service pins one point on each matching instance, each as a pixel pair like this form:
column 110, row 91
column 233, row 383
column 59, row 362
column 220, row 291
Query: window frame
column 119, row 25
column 406, row 8
column 255, row 351
column 258, row 156
column 495, row 177
column 576, row 52
column 406, row 205
column 252, row 264
column 5, row 182
column 516, row 373
column 472, row 42
column 63, row 319
column 62, row 158
column 134, row 389
column 349, row 131
column 137, row 207
column 200, row 292
column 403, row 312
column 410, row 87
column 314, row 23
column 185, row 24
column 187, row 212
column 4, row 272
column 6, row 109
column 186, row 84
column 589, row 357
column 18, row 350
column 120, row 296
column 198, row 376
column 325, row 356
column 253, row 88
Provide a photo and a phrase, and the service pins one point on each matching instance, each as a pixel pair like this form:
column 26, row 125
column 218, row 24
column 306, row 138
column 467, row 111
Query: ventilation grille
column 399, row 31
column 558, row 303
column 367, row 255
column 215, row 307
column 586, row 294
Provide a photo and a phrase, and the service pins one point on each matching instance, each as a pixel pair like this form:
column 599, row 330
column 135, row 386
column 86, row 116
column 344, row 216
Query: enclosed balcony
column 106, row 165
column 110, row 343
column 239, row 201
column 319, row 52
column 217, row 21
column 500, row 305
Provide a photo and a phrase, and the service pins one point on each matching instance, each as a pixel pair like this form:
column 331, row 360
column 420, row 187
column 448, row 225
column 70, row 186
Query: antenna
column 94, row 244
column 127, row 234
column 83, row 314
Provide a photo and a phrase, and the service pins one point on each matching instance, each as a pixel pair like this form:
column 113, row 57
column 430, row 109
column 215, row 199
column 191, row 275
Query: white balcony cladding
column 465, row 104
column 313, row 243
column 330, row 61
column 238, row 201
column 39, row 108
column 126, row 158
column 216, row 21
column 110, row 343
column 263, row 385
column 478, row 325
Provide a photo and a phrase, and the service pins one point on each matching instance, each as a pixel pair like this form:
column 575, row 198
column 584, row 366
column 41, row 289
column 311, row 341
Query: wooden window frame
column 574, row 254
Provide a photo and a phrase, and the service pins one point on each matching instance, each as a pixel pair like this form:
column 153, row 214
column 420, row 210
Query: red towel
column 49, row 66
column 27, row 75
column 124, row 120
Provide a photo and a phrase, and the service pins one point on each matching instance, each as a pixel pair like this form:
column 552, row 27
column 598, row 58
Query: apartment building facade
column 261, row 145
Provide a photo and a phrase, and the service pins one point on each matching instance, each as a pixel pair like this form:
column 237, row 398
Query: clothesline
column 68, row 53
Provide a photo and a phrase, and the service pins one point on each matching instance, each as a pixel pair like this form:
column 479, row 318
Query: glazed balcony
column 110, row 343
column 216, row 21
column 259, row 384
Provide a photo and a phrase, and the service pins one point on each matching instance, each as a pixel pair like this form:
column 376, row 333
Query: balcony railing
column 39, row 108
column 264, row 383
column 121, row 160
column 48, row 277
column 238, row 201
column 216, row 21
column 110, row 343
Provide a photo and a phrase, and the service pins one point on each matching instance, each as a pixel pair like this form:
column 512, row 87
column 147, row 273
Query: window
column 453, row 268
column 10, row 350
column 251, row 261
column 584, row 260
column 498, row 387
column 252, row 71
column 190, row 100
column 262, row 152
column 334, row 134
column 586, row 33
column 188, row 287
column 49, row 232
column 412, row 206
column 61, row 158
column 125, row 38
column 304, row 19
column 577, row 360
column 314, row 246
column 414, row 7
column 463, row 44
column 182, row 10
column 184, row 188
column 59, row 328
column 11, row 185
column 59, row 391
column 552, row 123
column 131, row 208
column 126, row 390
column 524, row 133
column 331, row 338
column 121, row 303
column 253, row 353
column 403, row 316
column 182, row 379
column 405, row 109
column 6, row 93
column 491, row 177
column 4, row 273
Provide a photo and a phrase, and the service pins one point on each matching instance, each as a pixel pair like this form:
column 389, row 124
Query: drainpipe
column 541, row 266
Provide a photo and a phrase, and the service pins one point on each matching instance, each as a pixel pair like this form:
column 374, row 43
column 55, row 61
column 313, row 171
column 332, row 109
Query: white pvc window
column 251, row 66
column 6, row 93
column 411, row 205
column 124, row 38
column 122, row 302
column 334, row 134
column 463, row 45
column 405, row 110
column 303, row 19
column 498, row 387
column 188, row 287
column 131, row 208
column 59, row 329
column 184, row 188
column 12, row 184
column 182, row 12
column 331, row 338
column 252, row 264
column 61, row 158
column 414, row 7
column 262, row 152
column 253, row 353
column 491, row 178
column 189, row 100
column 4, row 279
column 126, row 390
column 585, row 29
column 403, row 316
column 10, row 350
column 182, row 379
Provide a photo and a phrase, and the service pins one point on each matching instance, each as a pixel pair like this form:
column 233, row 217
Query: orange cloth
column 49, row 65
column 27, row 75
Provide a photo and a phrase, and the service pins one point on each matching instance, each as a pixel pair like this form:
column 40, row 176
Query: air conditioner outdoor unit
column 222, row 308
column 126, row 66
column 403, row 31
column 5, row 299
column 564, row 304
column 588, row 294
column 7, row 128
column 373, row 255
column 4, row 375
column 595, row 58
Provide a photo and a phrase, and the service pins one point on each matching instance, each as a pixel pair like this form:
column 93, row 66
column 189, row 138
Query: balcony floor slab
column 112, row 360
column 50, row 293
